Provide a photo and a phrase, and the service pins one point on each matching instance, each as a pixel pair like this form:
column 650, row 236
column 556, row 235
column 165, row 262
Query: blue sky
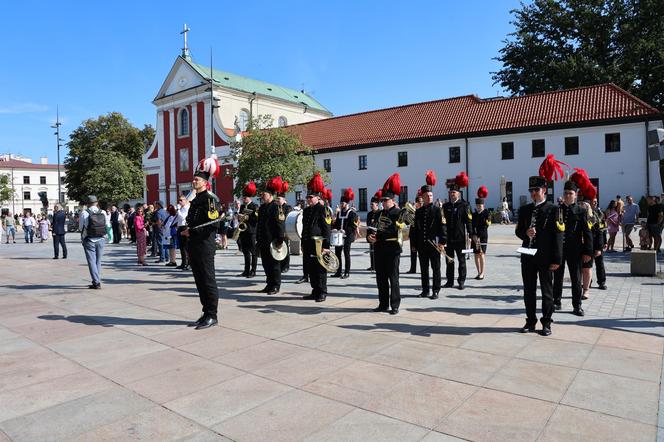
column 91, row 58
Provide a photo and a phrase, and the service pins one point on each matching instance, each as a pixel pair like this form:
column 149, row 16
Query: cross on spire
column 185, row 49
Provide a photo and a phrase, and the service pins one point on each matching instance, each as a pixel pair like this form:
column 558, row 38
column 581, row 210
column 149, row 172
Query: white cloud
column 23, row 108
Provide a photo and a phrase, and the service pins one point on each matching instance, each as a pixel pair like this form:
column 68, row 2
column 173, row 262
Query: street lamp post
column 56, row 126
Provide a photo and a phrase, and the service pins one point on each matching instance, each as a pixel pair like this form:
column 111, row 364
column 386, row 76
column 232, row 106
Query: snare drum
column 294, row 225
column 336, row 238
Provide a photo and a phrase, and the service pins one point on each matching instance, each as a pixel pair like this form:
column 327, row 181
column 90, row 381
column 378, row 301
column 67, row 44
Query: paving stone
column 629, row 363
column 225, row 342
column 259, row 355
column 408, row 355
column 466, row 366
column 632, row 340
column 570, row 354
column 303, row 368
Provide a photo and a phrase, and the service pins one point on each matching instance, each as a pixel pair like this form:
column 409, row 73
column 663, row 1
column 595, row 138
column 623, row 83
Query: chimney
column 43, row 160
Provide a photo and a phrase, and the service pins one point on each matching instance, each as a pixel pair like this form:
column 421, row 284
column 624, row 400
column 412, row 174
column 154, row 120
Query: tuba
column 407, row 214
column 327, row 260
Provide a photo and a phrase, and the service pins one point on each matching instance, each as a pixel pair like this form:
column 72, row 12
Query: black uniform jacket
column 270, row 226
column 548, row 235
column 372, row 217
column 598, row 230
column 251, row 210
column 199, row 213
column 315, row 222
column 578, row 237
column 347, row 224
column 481, row 223
column 428, row 225
column 387, row 235
column 458, row 219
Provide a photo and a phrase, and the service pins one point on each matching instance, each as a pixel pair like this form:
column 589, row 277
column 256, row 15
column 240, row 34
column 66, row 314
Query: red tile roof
column 17, row 164
column 472, row 116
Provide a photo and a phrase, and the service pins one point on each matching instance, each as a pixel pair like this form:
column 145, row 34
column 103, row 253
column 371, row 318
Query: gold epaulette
column 560, row 226
column 470, row 216
column 400, row 225
column 590, row 225
column 212, row 210
column 488, row 222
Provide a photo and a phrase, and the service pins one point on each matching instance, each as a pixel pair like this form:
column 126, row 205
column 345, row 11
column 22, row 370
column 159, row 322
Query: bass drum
column 294, row 225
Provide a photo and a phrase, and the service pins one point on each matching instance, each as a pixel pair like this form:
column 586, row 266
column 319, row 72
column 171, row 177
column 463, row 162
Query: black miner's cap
column 571, row 185
column 535, row 182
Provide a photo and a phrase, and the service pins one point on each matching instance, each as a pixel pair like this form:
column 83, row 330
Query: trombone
column 449, row 259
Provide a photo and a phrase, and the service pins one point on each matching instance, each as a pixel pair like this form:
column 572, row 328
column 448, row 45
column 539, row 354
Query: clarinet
column 533, row 221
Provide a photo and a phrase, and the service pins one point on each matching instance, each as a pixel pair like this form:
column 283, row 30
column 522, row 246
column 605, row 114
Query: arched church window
column 243, row 121
column 184, row 122
column 282, row 121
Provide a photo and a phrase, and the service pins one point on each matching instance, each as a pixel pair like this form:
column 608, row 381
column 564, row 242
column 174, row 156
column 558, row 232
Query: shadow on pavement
column 621, row 324
column 109, row 321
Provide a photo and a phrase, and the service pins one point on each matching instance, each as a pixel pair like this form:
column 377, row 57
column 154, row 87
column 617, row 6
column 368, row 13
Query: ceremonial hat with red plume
column 316, row 186
column 459, row 182
column 207, row 168
column 392, row 187
column 551, row 169
column 348, row 195
column 482, row 193
column 327, row 195
column 583, row 184
column 430, row 182
column 274, row 185
column 249, row 189
column 377, row 196
column 284, row 189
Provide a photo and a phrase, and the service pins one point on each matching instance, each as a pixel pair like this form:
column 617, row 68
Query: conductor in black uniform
column 347, row 221
column 387, row 249
column 430, row 240
column 315, row 223
column 458, row 229
column 203, row 209
column 286, row 209
column 247, row 239
column 270, row 228
column 538, row 230
column 577, row 249
column 372, row 218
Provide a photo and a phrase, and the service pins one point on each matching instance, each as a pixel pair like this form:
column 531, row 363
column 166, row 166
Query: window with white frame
column 282, row 121
column 183, row 121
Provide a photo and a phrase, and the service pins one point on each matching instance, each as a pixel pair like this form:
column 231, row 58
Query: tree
column 559, row 44
column 104, row 159
column 147, row 136
column 6, row 191
column 266, row 152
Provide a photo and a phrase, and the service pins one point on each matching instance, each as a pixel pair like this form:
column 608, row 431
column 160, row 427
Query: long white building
column 499, row 142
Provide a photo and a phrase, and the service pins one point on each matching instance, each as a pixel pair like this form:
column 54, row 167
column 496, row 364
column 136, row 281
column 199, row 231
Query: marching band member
column 601, row 239
column 247, row 240
column 203, row 209
column 347, row 222
column 430, row 237
column 538, row 230
column 481, row 223
column 458, row 228
column 270, row 228
column 315, row 222
column 372, row 219
column 388, row 248
column 578, row 245
column 412, row 235
column 286, row 208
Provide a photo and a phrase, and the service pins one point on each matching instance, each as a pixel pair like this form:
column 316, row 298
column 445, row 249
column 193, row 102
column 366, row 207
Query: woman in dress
column 43, row 228
column 141, row 235
column 170, row 235
column 612, row 224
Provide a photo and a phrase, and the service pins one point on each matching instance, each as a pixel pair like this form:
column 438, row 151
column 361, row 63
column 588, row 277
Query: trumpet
column 242, row 226
column 327, row 260
column 449, row 259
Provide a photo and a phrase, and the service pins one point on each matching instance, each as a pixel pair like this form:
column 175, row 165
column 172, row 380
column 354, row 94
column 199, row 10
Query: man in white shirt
column 629, row 219
column 93, row 223
column 29, row 224
column 181, row 221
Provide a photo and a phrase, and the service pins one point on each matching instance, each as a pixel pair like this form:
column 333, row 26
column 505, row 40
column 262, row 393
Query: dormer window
column 183, row 119
column 282, row 122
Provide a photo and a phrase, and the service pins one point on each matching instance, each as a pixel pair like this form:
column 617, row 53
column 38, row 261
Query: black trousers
column 316, row 272
column 184, row 246
column 371, row 257
column 452, row 250
column 346, row 249
column 132, row 233
column 202, row 266
column 600, row 269
column 285, row 263
column 387, row 279
column 272, row 268
column 573, row 261
column 57, row 241
column 413, row 260
column 249, row 252
column 530, row 271
column 428, row 256
column 117, row 234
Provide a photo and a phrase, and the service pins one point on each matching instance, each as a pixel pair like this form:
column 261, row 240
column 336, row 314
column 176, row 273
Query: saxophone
column 242, row 226
column 327, row 260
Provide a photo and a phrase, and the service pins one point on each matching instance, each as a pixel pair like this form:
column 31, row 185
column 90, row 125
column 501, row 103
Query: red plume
column 316, row 184
column 393, row 184
column 250, row 189
column 328, row 194
column 284, row 187
column 581, row 179
column 551, row 168
column 419, row 192
column 379, row 194
column 482, row 192
column 274, row 185
column 209, row 165
column 431, row 178
column 349, row 194
column 461, row 180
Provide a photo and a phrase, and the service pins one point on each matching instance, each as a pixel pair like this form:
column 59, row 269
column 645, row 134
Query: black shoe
column 411, row 271
column 185, row 268
column 527, row 329
column 557, row 306
column 265, row 289
column 285, row 270
column 321, row 298
column 424, row 294
column 309, row 297
column 251, row 275
column 207, row 322
column 434, row 296
column 171, row 264
column 94, row 286
column 380, row 309
column 449, row 284
column 197, row 322
column 180, row 267
column 602, row 287
column 370, row 269
column 461, row 286
column 273, row 291
column 336, row 275
column 546, row 331
column 302, row 280
column 345, row 276
column 394, row 311
column 55, row 257
column 243, row 274
column 578, row 312
column 64, row 257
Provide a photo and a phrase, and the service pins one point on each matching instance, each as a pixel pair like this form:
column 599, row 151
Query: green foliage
column 105, row 159
column 559, row 44
column 147, row 136
column 266, row 152
column 5, row 188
